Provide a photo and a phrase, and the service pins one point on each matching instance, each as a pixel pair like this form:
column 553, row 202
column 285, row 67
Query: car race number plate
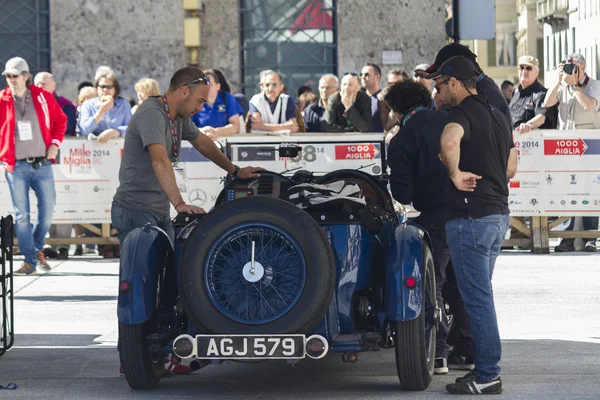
column 250, row 346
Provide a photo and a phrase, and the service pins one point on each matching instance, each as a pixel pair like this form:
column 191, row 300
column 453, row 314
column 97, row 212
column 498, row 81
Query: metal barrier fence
column 555, row 178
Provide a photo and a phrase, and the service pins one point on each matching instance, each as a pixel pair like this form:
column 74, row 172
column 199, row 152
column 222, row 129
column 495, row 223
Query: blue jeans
column 41, row 180
column 474, row 246
column 124, row 220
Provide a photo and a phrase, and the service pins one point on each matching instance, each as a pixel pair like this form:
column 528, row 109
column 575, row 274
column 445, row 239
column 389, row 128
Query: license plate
column 250, row 346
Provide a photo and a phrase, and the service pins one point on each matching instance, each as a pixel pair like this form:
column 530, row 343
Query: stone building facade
column 141, row 38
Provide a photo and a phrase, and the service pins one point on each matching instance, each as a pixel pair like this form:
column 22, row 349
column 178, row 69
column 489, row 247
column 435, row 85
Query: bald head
column 45, row 80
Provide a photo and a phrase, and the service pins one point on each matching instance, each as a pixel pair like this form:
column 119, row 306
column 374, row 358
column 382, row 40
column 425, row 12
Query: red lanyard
column 174, row 132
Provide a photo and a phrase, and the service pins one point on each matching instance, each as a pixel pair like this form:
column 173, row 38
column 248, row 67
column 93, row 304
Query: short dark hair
column 506, row 84
column 404, row 95
column 109, row 77
column 84, row 84
column 184, row 76
column 470, row 83
column 304, row 89
column 224, row 85
column 375, row 67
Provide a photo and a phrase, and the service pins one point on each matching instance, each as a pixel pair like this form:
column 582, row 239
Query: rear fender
column 405, row 258
column 144, row 254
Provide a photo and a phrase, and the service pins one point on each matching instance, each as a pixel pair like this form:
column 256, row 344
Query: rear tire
column 415, row 339
column 143, row 368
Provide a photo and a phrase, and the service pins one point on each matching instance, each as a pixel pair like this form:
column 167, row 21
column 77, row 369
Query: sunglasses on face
column 525, row 67
column 272, row 85
column 11, row 76
column 204, row 80
column 365, row 74
column 108, row 87
column 444, row 82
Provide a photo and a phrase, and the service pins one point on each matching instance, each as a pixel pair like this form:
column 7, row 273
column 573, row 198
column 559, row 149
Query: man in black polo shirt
column 476, row 147
column 527, row 103
column 419, row 177
column 461, row 357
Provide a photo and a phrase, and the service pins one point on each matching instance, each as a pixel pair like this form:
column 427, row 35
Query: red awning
column 313, row 17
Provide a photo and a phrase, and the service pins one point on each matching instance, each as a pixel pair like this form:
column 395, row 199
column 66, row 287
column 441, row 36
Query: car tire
column 415, row 339
column 295, row 292
column 142, row 367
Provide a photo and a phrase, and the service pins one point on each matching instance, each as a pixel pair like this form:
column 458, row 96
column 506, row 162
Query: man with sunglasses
column 272, row 110
column 578, row 98
column 527, row 103
column 370, row 76
column 150, row 176
column 32, row 126
column 478, row 151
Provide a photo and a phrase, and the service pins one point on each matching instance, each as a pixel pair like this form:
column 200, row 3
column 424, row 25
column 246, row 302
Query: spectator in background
column 45, row 80
column 306, row 99
column 144, row 88
column 241, row 99
column 419, row 76
column 313, row 113
column 107, row 115
column 349, row 110
column 272, row 110
column 397, row 75
column 220, row 115
column 85, row 93
column 301, row 90
column 578, row 98
column 527, row 102
column 370, row 77
column 507, row 89
column 32, row 127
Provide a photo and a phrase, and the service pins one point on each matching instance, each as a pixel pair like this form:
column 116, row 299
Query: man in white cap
column 419, row 76
column 32, row 126
column 527, row 103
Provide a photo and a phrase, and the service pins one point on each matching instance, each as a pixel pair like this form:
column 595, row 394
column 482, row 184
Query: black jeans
column 589, row 224
column 459, row 334
column 434, row 223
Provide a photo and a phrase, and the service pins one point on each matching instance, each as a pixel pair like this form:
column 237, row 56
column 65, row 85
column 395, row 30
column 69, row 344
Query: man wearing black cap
column 484, row 84
column 476, row 147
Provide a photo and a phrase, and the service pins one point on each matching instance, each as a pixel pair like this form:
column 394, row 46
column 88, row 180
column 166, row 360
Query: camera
column 569, row 68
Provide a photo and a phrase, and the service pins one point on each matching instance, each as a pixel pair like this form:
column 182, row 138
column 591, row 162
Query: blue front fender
column 405, row 258
column 144, row 254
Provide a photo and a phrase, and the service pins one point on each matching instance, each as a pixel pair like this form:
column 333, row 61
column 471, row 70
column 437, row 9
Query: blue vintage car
column 266, row 276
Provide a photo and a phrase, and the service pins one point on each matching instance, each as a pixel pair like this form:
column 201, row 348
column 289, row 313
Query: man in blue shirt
column 221, row 113
column 313, row 114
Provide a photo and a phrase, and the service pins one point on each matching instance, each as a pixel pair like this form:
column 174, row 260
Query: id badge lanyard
column 179, row 170
column 24, row 129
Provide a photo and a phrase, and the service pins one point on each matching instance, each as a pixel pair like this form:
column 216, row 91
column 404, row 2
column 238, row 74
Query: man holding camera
column 579, row 108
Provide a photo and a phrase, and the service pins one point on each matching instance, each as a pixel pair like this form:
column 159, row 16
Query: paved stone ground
column 66, row 336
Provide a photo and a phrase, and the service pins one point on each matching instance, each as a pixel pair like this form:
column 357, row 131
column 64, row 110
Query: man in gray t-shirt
column 149, row 166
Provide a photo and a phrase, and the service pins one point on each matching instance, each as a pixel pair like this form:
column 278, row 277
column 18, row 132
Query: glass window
column 295, row 38
column 25, row 32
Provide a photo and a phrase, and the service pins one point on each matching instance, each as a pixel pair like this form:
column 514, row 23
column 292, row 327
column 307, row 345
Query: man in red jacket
column 32, row 126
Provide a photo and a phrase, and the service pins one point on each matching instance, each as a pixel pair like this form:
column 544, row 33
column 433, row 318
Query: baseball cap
column 16, row 66
column 458, row 67
column 421, row 67
column 449, row 51
column 529, row 60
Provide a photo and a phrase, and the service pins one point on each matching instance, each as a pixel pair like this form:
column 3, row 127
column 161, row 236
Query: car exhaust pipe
column 316, row 347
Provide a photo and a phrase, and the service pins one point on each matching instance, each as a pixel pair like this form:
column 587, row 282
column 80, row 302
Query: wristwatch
column 235, row 170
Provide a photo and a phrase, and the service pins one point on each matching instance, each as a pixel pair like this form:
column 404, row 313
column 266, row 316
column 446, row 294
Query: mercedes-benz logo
column 197, row 197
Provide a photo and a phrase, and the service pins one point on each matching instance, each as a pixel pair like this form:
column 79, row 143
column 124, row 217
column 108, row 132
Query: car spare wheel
column 257, row 265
